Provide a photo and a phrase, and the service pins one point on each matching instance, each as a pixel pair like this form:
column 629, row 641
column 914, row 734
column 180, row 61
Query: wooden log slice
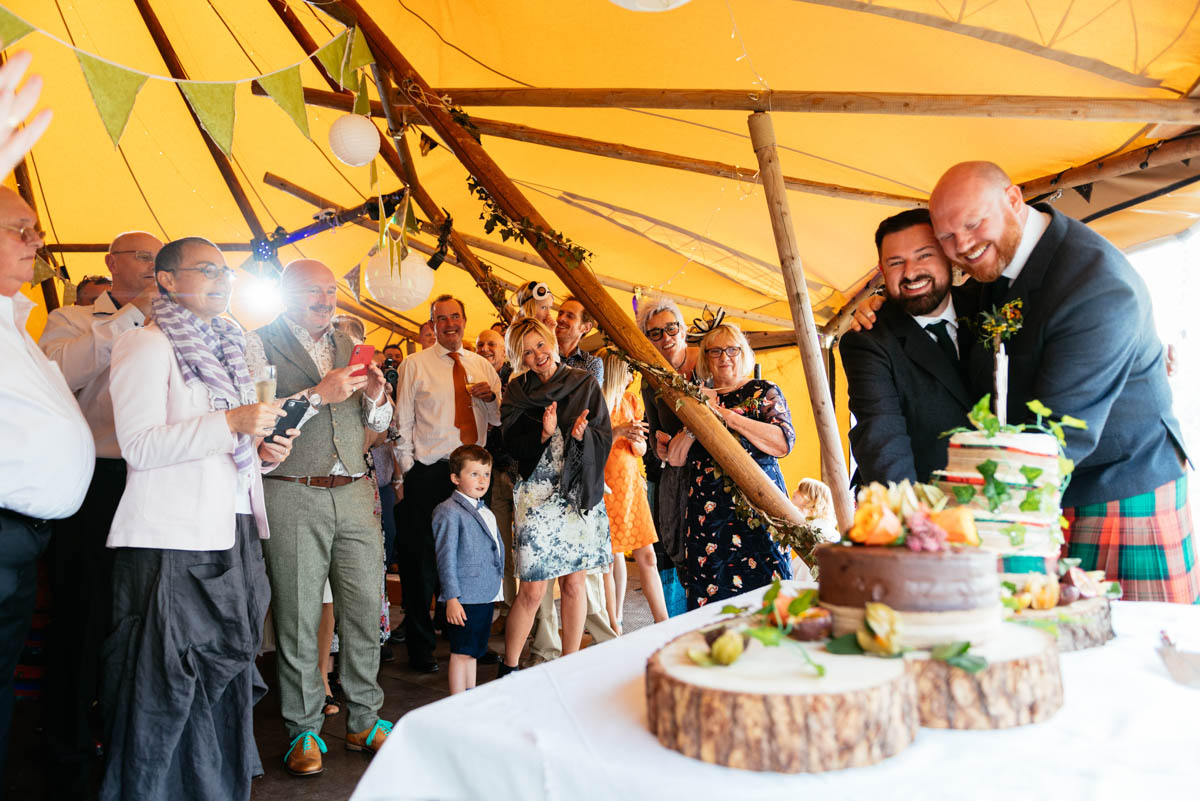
column 1087, row 623
column 769, row 712
column 1021, row 683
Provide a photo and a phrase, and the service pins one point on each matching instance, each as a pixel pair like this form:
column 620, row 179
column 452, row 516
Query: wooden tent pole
column 578, row 277
column 175, row 68
column 370, row 316
column 309, row 45
column 102, row 247
column 615, row 150
column 762, row 136
column 1156, row 155
column 1095, row 109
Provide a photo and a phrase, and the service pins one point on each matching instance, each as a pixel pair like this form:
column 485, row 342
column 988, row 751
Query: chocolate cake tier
column 905, row 580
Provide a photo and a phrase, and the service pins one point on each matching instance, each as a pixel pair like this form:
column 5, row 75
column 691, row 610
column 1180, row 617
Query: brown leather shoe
column 304, row 757
column 369, row 739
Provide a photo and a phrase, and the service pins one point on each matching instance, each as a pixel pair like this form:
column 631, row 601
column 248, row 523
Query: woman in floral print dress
column 724, row 555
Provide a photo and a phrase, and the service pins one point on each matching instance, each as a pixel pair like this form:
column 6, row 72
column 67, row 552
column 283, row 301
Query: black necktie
column 942, row 335
column 995, row 293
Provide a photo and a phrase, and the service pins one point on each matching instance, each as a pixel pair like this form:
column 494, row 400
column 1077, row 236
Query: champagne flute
column 264, row 387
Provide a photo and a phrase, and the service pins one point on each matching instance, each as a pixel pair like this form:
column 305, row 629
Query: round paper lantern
column 354, row 139
column 649, row 5
column 405, row 289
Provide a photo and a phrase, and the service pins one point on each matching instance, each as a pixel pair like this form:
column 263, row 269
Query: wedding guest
column 725, row 555
column 470, row 562
column 631, row 526
column 90, row 288
column 190, row 591
column 556, row 425
column 426, row 335
column 814, row 500
column 535, row 300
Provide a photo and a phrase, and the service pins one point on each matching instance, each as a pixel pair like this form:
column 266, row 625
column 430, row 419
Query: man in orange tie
column 447, row 396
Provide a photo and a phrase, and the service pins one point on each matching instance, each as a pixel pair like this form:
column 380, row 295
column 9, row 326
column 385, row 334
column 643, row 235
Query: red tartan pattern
column 1152, row 555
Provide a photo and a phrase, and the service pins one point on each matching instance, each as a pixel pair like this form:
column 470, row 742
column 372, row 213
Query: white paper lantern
column 354, row 139
column 649, row 5
column 405, row 289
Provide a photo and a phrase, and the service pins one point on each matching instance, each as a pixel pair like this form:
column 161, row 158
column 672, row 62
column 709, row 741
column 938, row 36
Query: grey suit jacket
column 904, row 394
column 1088, row 348
column 469, row 564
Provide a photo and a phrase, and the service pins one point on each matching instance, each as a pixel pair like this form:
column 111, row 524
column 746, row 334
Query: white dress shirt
column 376, row 416
column 489, row 517
column 80, row 339
column 46, row 449
column 1036, row 223
column 425, row 404
column 949, row 316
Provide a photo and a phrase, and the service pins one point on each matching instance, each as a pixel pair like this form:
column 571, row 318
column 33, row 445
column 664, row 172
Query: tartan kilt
column 1144, row 542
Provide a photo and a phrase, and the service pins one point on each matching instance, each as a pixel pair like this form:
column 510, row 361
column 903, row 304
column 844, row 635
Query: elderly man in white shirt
column 79, row 339
column 448, row 396
column 48, row 455
column 322, row 516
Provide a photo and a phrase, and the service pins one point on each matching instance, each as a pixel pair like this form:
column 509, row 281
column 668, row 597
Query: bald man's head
column 978, row 217
column 17, row 252
column 309, row 293
column 130, row 259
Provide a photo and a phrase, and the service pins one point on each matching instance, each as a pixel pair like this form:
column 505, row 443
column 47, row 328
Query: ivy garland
column 801, row 538
column 495, row 218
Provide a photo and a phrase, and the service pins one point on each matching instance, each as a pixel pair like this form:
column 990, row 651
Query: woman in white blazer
column 189, row 588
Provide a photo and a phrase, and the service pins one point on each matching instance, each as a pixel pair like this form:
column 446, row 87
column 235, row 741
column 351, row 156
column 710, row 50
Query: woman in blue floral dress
column 724, row 555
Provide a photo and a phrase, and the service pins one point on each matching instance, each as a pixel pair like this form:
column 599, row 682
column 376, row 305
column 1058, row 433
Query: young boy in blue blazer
column 470, row 562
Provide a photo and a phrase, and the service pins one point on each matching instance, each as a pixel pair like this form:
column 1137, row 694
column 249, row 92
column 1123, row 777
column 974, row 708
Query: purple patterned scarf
column 212, row 354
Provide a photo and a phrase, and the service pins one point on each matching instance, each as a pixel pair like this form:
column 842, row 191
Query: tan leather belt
column 324, row 482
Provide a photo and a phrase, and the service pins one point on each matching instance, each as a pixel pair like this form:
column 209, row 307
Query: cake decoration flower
column 880, row 633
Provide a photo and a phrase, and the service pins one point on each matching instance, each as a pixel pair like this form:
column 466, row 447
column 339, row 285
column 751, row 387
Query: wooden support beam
column 102, row 247
column 833, row 463
column 614, row 150
column 358, row 310
column 175, row 68
column 1156, row 155
column 1096, row 109
column 578, row 277
column 309, row 45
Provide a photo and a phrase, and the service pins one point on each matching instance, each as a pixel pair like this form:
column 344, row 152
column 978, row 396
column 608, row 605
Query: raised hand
column 338, row 384
column 549, row 420
column 864, row 314
column 14, row 108
column 279, row 449
column 581, row 423
column 253, row 419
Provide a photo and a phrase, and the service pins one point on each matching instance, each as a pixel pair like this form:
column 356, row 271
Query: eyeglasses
column 140, row 255
column 670, row 329
column 211, row 271
column 28, row 233
column 733, row 351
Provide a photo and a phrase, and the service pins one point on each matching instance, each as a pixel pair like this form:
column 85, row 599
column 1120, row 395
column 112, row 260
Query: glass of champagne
column 264, row 387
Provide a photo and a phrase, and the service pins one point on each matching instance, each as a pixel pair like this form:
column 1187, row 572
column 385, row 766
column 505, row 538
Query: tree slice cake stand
column 769, row 712
column 1086, row 623
column 1021, row 684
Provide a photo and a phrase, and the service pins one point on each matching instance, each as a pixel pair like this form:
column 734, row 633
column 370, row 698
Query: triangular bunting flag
column 113, row 91
column 213, row 104
column 362, row 101
column 1085, row 191
column 333, row 57
column 354, row 279
column 69, row 293
column 12, row 28
column 360, row 54
column 41, row 270
column 286, row 88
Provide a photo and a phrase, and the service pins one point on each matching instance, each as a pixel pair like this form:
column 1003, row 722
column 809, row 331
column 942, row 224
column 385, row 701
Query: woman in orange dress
column 630, row 523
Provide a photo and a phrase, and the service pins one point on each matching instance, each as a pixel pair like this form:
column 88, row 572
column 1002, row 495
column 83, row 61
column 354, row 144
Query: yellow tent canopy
column 656, row 228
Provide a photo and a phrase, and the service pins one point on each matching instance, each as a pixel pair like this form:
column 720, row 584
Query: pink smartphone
column 362, row 355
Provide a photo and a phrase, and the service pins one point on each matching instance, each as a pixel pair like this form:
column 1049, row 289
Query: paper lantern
column 649, row 5
column 354, row 139
column 404, row 289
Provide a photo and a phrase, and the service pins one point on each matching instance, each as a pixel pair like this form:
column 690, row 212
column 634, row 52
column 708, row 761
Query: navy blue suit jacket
column 904, row 393
column 469, row 564
column 1088, row 348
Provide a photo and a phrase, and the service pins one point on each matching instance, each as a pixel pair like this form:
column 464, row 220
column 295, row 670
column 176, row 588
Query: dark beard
column 919, row 307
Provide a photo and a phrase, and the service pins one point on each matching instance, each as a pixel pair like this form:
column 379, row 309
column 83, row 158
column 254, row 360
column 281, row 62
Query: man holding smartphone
column 322, row 516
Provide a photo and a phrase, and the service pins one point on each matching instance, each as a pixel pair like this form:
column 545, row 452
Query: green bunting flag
column 41, row 270
column 70, row 292
column 345, row 54
column 354, row 279
column 213, row 104
column 113, row 91
column 360, row 54
column 287, row 90
column 362, row 100
column 12, row 28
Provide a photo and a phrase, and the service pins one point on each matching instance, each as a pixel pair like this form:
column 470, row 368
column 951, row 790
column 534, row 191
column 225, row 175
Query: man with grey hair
column 90, row 288
column 662, row 323
column 79, row 339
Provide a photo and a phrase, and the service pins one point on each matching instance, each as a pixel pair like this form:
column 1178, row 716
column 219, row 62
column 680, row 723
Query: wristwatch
column 314, row 399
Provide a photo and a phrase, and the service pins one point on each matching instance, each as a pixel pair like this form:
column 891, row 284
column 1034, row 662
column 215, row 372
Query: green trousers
column 546, row 640
column 318, row 533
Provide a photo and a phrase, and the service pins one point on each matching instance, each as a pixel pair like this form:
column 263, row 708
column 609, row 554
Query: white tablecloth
column 575, row 729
